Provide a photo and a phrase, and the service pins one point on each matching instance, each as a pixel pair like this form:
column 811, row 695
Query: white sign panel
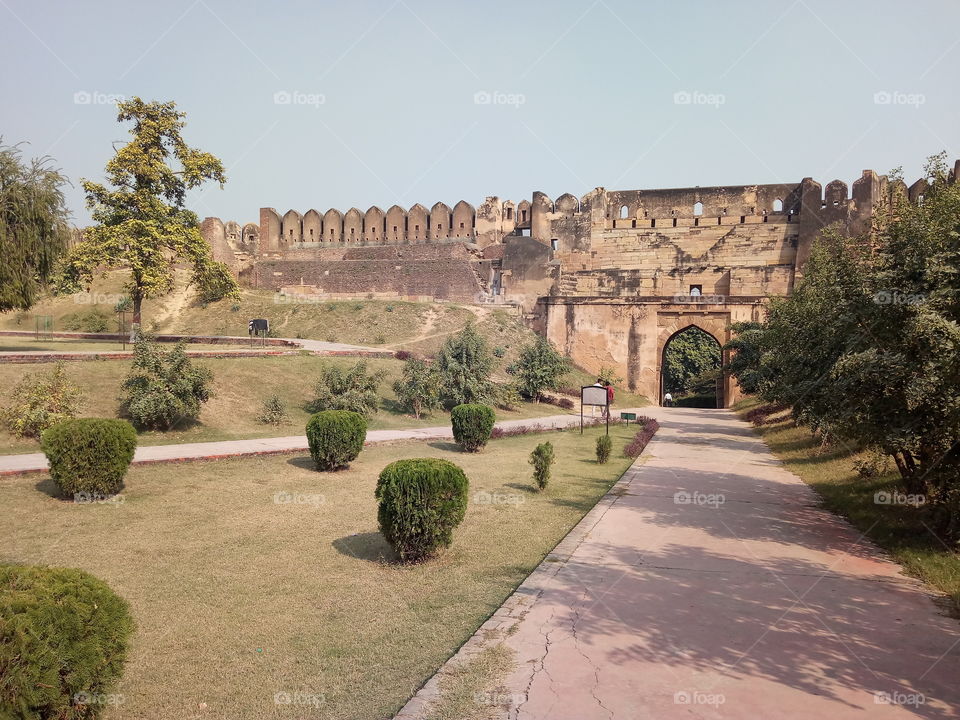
column 593, row 395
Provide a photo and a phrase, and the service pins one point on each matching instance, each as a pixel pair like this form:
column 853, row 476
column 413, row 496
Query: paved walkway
column 37, row 462
column 708, row 584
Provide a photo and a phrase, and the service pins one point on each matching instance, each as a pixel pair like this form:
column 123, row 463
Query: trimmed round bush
column 63, row 643
column 604, row 447
column 89, row 455
column 421, row 501
column 335, row 437
column 472, row 425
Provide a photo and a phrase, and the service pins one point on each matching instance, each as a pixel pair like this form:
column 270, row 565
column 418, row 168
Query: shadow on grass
column 304, row 462
column 369, row 546
column 48, row 487
column 445, row 446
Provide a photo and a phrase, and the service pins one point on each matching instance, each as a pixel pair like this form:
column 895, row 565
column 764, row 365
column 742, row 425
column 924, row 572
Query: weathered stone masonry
column 609, row 277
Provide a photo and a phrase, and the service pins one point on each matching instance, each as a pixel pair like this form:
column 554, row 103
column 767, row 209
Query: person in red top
column 609, row 386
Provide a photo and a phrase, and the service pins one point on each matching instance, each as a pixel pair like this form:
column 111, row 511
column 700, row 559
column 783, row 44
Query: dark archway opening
column 690, row 369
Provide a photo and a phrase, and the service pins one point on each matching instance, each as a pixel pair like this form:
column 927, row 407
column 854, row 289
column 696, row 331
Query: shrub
column 273, row 412
column 163, row 387
column 566, row 403
column 354, row 389
column 560, row 402
column 542, row 459
column 506, row 396
column 540, row 368
column 335, row 438
column 499, row 351
column 90, row 320
column 418, row 389
column 89, row 455
column 472, row 425
column 465, row 364
column 635, row 447
column 403, row 355
column 421, row 501
column 63, row 643
column 604, row 446
column 40, row 400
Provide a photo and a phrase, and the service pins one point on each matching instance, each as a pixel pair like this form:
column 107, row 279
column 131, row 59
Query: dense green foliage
column 142, row 222
column 163, row 388
column 33, row 226
column 867, row 349
column 354, row 389
column 335, row 438
column 472, row 425
column 41, row 400
column 89, row 456
column 273, row 411
column 421, row 501
column 604, row 448
column 63, row 643
column 690, row 362
column 464, row 364
column 542, row 459
column 88, row 321
column 418, row 389
column 540, row 368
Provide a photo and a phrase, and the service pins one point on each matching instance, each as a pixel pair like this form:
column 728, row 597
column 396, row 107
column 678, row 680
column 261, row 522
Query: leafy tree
column 141, row 221
column 163, row 388
column 418, row 388
column 354, row 389
column 690, row 355
column 539, row 368
column 33, row 226
column 464, row 365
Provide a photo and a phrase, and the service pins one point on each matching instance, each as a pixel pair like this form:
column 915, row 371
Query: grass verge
column 254, row 579
column 901, row 530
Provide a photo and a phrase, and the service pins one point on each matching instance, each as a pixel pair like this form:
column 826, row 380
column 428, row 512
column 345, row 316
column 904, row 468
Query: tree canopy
column 33, row 226
column 690, row 357
column 141, row 219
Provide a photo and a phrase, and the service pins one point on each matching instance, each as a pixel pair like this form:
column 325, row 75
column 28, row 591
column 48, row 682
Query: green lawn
column 240, row 387
column 237, row 598
column 899, row 529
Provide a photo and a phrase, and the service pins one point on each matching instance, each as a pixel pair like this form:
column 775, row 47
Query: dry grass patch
column 238, row 597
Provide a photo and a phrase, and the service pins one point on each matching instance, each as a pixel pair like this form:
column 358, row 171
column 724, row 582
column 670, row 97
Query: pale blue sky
column 588, row 93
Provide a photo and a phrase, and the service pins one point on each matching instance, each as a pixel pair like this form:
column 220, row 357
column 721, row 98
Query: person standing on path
column 667, row 400
column 609, row 397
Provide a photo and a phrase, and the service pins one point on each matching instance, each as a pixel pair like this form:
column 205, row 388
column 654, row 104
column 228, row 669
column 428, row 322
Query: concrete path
column 708, row 584
column 37, row 462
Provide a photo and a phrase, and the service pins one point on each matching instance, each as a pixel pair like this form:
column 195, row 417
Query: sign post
column 595, row 396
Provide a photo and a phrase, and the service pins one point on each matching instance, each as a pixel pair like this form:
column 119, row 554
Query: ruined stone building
column 609, row 277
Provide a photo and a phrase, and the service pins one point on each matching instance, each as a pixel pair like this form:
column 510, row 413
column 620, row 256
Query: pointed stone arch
column 312, row 226
column 352, row 227
column 373, row 226
column 418, row 224
column 292, row 228
column 332, row 226
column 396, row 225
column 440, row 219
column 717, row 327
column 464, row 218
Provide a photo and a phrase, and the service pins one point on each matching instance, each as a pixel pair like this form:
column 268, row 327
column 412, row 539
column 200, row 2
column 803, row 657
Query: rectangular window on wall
column 554, row 244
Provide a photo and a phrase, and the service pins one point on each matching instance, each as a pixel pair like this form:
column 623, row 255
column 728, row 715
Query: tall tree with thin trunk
column 33, row 226
column 142, row 223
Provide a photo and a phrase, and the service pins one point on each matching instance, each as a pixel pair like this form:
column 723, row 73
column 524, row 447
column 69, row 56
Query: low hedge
column 472, row 425
column 89, row 455
column 421, row 501
column 63, row 643
column 335, row 438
